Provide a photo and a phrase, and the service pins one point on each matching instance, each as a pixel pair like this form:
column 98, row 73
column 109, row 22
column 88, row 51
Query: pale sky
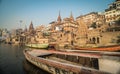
column 44, row 11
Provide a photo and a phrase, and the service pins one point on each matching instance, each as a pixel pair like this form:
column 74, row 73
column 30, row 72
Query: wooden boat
column 28, row 67
column 105, row 48
column 70, row 62
column 40, row 46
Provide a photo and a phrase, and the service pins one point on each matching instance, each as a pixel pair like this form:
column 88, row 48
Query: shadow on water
column 1, row 72
column 31, row 69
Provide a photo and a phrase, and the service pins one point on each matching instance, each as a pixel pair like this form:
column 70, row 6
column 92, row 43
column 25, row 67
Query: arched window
column 94, row 40
column 98, row 41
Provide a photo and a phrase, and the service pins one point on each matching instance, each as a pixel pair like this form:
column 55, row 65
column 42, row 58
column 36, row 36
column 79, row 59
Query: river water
column 12, row 61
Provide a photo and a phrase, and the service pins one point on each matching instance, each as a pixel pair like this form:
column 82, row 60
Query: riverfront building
column 64, row 31
column 113, row 12
column 90, row 29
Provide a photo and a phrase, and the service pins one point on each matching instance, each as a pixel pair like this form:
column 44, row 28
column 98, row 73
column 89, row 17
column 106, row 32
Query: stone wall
column 109, row 38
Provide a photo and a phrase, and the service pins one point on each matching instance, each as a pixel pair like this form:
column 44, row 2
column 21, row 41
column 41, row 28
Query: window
column 110, row 16
column 114, row 15
column 61, row 35
column 106, row 16
column 43, row 41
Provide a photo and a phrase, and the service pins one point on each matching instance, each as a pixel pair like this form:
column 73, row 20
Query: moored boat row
column 73, row 61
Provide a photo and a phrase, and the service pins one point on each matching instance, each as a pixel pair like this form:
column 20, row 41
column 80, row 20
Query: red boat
column 107, row 48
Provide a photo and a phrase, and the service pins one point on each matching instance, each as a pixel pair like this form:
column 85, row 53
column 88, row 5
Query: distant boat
column 41, row 43
column 40, row 46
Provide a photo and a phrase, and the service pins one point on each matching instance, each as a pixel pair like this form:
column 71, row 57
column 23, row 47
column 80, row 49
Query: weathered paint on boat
column 55, row 67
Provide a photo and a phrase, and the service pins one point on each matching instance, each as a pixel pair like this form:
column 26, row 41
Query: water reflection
column 11, row 57
column 31, row 69
column 12, row 61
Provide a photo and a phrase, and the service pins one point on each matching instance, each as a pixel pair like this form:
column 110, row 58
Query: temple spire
column 71, row 17
column 59, row 17
column 31, row 28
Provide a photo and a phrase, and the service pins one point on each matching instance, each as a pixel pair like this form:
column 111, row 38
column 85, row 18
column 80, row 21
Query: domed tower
column 82, row 31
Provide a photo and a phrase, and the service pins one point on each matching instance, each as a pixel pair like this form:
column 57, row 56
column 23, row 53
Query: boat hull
column 56, row 67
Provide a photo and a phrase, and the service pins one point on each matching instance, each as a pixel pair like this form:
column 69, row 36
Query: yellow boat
column 40, row 46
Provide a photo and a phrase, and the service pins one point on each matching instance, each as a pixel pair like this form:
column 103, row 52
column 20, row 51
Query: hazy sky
column 44, row 11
